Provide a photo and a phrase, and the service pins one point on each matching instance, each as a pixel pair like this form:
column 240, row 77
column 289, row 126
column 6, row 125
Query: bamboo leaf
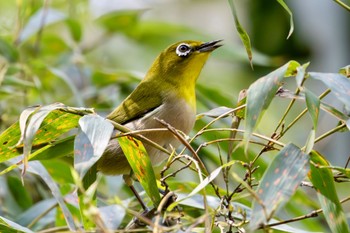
column 141, row 165
column 323, row 181
column 279, row 183
column 90, row 142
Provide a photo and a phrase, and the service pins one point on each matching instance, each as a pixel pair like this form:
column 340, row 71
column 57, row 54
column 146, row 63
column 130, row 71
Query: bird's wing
column 140, row 102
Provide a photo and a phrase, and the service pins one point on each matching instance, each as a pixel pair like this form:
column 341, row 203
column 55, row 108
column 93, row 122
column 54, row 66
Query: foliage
column 232, row 174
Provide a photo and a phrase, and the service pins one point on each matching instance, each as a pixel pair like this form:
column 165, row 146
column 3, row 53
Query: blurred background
column 93, row 53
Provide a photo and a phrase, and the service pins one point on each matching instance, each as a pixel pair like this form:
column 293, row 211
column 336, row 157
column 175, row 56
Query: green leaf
column 8, row 51
column 60, row 74
column 3, row 70
column 301, row 70
column 313, row 106
column 9, row 226
column 323, row 181
column 214, row 113
column 32, row 127
column 42, row 18
column 54, row 125
column 345, row 71
column 119, row 20
column 74, row 29
column 339, row 85
column 90, row 142
column 260, row 95
column 140, row 163
column 242, row 33
column 37, row 168
column 286, row 8
column 279, row 183
column 20, row 194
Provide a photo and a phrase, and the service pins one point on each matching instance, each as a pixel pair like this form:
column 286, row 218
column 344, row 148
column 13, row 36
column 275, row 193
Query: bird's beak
column 209, row 46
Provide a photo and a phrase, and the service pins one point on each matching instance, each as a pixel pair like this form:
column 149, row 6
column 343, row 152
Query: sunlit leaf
column 279, row 183
column 33, row 126
column 323, row 181
column 90, row 142
column 9, row 226
column 3, row 70
column 42, row 18
column 55, row 124
column 345, row 71
column 260, row 95
column 140, row 163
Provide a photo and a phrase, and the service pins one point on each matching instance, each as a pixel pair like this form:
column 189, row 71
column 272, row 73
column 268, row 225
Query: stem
column 330, row 132
column 346, row 7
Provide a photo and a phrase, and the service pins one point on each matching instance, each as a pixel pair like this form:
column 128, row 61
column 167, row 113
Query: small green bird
column 167, row 92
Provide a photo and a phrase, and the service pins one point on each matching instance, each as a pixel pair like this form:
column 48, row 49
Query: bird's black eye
column 183, row 50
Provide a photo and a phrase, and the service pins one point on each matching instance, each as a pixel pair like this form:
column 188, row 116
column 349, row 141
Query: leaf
column 32, row 128
column 42, row 18
column 278, row 184
column 56, row 123
column 345, row 71
column 140, row 163
column 313, row 106
column 9, row 226
column 90, row 142
column 260, row 95
column 286, row 8
column 338, row 84
column 3, row 70
column 323, row 181
column 37, row 168
column 70, row 84
column 214, row 113
column 74, row 29
column 19, row 192
column 301, row 70
column 242, row 33
column 112, row 216
column 205, row 182
column 310, row 142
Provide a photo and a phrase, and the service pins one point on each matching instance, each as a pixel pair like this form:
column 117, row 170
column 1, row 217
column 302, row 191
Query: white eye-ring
column 183, row 50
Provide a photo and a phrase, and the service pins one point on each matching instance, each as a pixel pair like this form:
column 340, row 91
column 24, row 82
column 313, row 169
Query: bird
column 167, row 92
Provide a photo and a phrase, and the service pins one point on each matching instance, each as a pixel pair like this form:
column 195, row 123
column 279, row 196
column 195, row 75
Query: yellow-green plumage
column 168, row 93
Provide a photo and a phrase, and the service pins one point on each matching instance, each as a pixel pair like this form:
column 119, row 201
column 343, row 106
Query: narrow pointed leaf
column 37, row 168
column 141, row 165
column 279, row 183
column 40, row 19
column 215, row 112
column 301, row 70
column 90, row 142
column 323, row 181
column 32, row 128
column 241, row 32
column 313, row 106
column 55, row 124
column 339, row 84
column 9, row 226
column 286, row 8
column 260, row 95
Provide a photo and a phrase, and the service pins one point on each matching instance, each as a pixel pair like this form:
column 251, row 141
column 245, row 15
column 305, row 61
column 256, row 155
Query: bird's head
column 182, row 62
